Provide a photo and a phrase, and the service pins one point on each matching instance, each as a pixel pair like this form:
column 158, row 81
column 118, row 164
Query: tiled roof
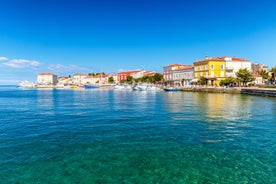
column 174, row 64
column 47, row 74
column 184, row 68
column 132, row 71
column 80, row 74
column 223, row 58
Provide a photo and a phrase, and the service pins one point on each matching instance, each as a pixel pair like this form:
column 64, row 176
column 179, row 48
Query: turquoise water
column 108, row 136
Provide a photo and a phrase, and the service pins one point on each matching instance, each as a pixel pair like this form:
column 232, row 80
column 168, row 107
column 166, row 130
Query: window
column 222, row 67
column 200, row 67
column 212, row 67
column 206, row 67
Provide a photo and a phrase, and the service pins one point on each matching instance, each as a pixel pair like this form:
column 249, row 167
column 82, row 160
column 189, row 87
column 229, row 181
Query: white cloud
column 67, row 68
column 3, row 59
column 22, row 63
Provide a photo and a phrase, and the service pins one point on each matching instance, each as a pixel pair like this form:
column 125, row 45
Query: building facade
column 47, row 78
column 256, row 68
column 183, row 76
column 135, row 74
column 233, row 65
column 168, row 71
column 212, row 69
column 79, row 78
column 216, row 69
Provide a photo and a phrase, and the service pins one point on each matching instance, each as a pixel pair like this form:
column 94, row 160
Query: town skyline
column 68, row 37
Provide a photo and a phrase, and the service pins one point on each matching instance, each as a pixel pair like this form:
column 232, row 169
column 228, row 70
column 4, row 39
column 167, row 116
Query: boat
column 91, row 86
column 146, row 87
column 74, row 86
column 172, row 89
column 122, row 87
column 26, row 84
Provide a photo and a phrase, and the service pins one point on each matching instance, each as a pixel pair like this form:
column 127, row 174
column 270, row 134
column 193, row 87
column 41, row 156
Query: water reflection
column 45, row 101
column 216, row 117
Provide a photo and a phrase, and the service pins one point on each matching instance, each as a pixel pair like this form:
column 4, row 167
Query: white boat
column 146, row 87
column 26, row 84
column 142, row 87
column 122, row 87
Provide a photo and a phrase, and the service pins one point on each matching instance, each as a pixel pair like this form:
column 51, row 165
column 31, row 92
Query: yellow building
column 211, row 68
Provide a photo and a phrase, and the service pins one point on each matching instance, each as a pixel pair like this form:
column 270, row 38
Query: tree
column 110, row 80
column 158, row 77
column 91, row 74
column 183, row 81
column 227, row 81
column 264, row 74
column 203, row 80
column 273, row 70
column 129, row 79
column 244, row 76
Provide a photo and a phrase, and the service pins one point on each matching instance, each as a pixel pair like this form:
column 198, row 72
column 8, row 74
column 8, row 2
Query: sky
column 70, row 36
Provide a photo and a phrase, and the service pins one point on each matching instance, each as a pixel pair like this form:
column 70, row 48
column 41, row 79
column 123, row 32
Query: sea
column 144, row 137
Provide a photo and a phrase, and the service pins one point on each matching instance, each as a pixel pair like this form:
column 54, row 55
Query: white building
column 47, row 78
column 233, row 65
column 79, row 78
column 168, row 71
column 115, row 78
column 183, row 76
column 98, row 79
column 138, row 74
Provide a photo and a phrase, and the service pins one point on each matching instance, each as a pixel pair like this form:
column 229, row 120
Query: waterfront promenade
column 271, row 92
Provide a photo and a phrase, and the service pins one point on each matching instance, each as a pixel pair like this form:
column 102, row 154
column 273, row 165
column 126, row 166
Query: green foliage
column 110, row 80
column 264, row 74
column 203, row 80
column 227, row 81
column 150, row 79
column 244, row 76
column 129, row 79
column 158, row 77
column 91, row 74
column 273, row 70
column 95, row 74
column 146, row 79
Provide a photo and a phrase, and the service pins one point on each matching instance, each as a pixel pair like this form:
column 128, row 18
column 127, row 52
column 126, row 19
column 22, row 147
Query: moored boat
column 172, row 89
column 91, row 86
column 27, row 84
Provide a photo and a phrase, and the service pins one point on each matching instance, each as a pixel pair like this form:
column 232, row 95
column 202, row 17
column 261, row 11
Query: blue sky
column 66, row 37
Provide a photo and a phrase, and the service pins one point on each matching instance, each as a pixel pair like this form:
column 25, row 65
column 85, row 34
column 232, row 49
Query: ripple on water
column 67, row 136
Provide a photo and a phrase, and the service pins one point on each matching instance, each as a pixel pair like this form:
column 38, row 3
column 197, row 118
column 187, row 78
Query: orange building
column 124, row 75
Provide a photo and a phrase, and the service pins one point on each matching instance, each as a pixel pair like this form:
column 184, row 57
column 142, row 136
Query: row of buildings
column 214, row 69
column 81, row 78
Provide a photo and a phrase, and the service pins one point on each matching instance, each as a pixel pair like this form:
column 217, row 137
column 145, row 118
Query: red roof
column 185, row 68
column 47, row 74
column 223, row 58
column 80, row 74
column 256, row 75
column 174, row 64
column 127, row 72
